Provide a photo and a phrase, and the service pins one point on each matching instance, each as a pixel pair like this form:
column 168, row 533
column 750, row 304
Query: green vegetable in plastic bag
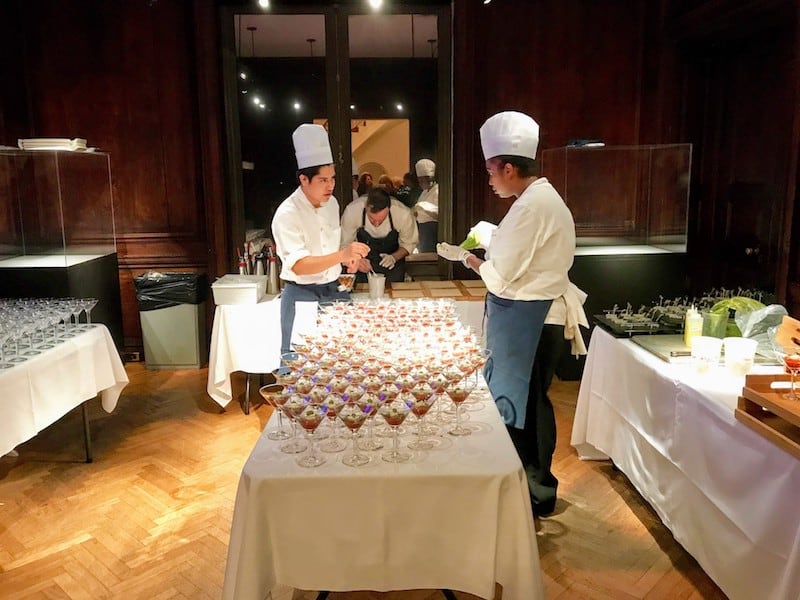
column 471, row 242
column 735, row 304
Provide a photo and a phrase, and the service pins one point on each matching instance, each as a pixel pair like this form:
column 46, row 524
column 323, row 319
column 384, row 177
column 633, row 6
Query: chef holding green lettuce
column 531, row 306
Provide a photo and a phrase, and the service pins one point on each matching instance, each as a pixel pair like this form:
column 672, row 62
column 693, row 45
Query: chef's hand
column 352, row 254
column 364, row 265
column 451, row 252
column 388, row 261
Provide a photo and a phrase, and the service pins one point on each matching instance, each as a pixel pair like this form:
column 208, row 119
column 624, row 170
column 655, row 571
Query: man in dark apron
column 387, row 227
column 525, row 271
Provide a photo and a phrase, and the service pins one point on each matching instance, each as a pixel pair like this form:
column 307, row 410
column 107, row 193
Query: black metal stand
column 87, row 434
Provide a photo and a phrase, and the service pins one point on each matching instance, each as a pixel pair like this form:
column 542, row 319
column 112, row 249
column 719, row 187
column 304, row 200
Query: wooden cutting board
column 457, row 290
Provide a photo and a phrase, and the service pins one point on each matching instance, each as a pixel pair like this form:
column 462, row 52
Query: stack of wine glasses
column 350, row 386
column 29, row 326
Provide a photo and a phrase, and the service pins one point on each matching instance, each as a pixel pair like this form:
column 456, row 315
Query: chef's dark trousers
column 294, row 292
column 536, row 443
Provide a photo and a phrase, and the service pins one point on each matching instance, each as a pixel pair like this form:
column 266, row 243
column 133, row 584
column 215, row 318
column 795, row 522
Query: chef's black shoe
column 542, row 509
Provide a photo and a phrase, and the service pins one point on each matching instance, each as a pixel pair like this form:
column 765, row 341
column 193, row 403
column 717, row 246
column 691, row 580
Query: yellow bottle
column 692, row 326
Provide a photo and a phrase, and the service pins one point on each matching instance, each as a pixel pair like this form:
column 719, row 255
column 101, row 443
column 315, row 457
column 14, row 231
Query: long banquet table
column 729, row 496
column 247, row 337
column 41, row 390
column 456, row 518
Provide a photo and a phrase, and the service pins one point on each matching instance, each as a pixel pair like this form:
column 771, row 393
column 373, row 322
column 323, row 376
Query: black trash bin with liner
column 172, row 311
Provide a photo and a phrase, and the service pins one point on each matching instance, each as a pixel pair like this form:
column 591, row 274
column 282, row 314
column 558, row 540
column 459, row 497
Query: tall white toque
column 311, row 146
column 509, row 133
column 425, row 167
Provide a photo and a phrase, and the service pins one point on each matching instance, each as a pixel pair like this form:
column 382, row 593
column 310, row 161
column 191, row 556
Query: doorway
column 380, row 84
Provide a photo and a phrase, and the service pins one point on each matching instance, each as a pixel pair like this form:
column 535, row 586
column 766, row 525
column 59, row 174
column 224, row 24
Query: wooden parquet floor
column 150, row 518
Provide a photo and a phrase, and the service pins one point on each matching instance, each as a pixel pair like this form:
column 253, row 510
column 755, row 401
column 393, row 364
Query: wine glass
column 292, row 406
column 421, row 402
column 791, row 362
column 458, row 392
column 88, row 304
column 334, row 402
column 272, row 394
column 310, row 418
column 293, row 360
column 353, row 416
column 370, row 402
column 394, row 413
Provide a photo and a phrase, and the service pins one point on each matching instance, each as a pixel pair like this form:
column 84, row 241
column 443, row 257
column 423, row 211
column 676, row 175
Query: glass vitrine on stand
column 57, row 234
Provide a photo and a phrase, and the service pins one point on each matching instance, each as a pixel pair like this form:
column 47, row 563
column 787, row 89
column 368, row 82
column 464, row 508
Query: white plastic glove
column 387, row 261
column 451, row 252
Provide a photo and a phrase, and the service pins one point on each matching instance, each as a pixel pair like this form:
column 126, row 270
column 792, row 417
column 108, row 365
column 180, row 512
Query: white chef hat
column 509, row 133
column 425, row 167
column 311, row 146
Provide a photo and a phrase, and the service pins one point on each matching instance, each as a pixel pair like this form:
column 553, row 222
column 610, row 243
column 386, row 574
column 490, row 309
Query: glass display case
column 57, row 233
column 624, row 195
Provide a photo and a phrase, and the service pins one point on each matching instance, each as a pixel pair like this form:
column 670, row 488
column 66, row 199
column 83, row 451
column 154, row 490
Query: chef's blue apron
column 513, row 328
column 378, row 246
column 295, row 292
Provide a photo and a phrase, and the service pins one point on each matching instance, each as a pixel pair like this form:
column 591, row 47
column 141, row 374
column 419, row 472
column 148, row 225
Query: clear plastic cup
column 706, row 351
column 740, row 353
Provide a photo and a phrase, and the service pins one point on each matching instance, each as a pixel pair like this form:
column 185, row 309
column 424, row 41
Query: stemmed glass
column 394, row 413
column 353, row 416
column 310, row 418
column 423, row 399
column 334, row 402
column 370, row 403
column 791, row 362
column 88, row 304
column 458, row 392
column 272, row 394
column 292, row 406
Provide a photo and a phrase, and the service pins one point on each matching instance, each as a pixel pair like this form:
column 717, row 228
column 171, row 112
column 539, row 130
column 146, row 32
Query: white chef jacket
column 427, row 206
column 402, row 218
column 300, row 230
column 532, row 248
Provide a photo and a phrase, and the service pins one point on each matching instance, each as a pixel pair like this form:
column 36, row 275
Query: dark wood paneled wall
column 574, row 66
column 133, row 78
column 722, row 75
column 142, row 79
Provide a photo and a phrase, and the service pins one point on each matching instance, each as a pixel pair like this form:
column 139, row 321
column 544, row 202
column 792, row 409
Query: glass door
column 378, row 82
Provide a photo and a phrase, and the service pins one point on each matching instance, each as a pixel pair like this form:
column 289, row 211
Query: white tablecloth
column 247, row 337
column 729, row 496
column 41, row 390
column 458, row 518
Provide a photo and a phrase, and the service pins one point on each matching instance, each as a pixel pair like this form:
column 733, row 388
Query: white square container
column 239, row 289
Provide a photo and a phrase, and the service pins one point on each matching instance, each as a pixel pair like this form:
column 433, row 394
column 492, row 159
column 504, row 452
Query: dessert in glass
column 334, row 443
column 291, row 407
column 309, row 419
column 458, row 393
column 353, row 416
column 394, row 413
column 273, row 394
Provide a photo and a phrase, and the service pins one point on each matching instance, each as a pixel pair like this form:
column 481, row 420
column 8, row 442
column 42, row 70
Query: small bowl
column 346, row 281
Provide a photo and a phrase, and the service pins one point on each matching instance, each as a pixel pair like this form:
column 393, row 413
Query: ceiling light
column 376, row 4
column 242, row 75
column 296, row 105
column 263, row 3
column 399, row 107
column 256, row 100
column 486, row 1
column 244, row 91
column 352, row 107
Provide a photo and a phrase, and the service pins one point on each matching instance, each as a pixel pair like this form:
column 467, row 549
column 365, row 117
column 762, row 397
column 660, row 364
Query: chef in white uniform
column 387, row 227
column 531, row 306
column 427, row 206
column 307, row 233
